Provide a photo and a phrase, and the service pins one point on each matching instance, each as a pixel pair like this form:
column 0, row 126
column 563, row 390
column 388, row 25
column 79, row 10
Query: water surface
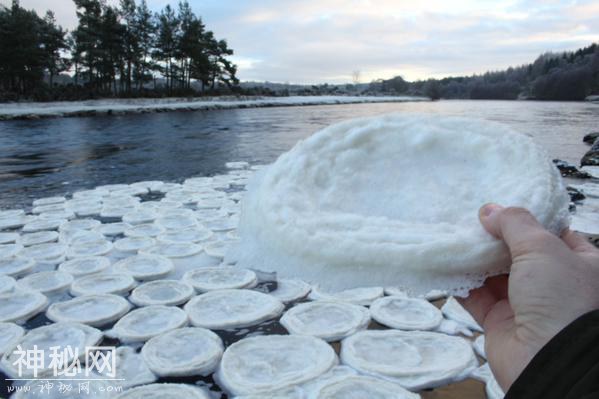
column 47, row 157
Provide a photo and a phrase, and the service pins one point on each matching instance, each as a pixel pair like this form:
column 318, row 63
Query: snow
column 119, row 106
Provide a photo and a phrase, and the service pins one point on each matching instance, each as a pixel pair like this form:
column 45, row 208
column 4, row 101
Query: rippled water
column 55, row 156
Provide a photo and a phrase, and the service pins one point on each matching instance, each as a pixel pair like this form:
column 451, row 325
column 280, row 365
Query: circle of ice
column 9, row 334
column 289, row 290
column 277, row 361
column 183, row 352
column 406, row 313
column 16, row 266
column 330, row 321
column 235, row 308
column 145, row 267
column 114, row 283
column 221, row 277
column 162, row 292
column 48, row 282
column 61, row 335
column 20, row 305
column 393, row 201
column 414, row 359
column 93, row 310
column 144, row 323
column 85, row 265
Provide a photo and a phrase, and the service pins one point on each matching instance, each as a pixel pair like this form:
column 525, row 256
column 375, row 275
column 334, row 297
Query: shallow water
column 40, row 158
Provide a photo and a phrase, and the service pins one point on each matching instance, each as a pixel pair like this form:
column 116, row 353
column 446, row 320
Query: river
column 40, row 158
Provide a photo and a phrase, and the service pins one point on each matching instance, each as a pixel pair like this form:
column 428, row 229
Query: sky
column 318, row 41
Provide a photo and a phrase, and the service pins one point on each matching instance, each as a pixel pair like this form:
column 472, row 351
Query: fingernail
column 488, row 210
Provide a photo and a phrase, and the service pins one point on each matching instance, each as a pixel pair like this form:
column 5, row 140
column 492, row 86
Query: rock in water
column 393, row 201
column 569, row 170
column 591, row 137
column 591, row 158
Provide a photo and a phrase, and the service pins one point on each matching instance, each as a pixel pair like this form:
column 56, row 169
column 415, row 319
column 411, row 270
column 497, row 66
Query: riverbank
column 34, row 110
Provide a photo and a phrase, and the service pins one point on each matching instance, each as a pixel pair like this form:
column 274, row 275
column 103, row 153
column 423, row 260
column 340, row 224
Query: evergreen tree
column 144, row 30
column 54, row 44
column 166, row 44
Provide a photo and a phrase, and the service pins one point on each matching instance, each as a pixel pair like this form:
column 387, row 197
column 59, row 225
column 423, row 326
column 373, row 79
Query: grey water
column 40, row 158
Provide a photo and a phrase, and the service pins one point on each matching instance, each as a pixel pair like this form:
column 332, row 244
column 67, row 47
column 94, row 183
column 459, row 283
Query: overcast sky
column 317, row 41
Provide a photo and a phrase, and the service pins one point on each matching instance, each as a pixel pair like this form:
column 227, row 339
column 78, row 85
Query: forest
column 115, row 51
column 567, row 76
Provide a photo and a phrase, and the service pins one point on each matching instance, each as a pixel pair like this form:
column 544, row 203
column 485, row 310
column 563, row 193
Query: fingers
column 480, row 301
column 576, row 242
column 517, row 227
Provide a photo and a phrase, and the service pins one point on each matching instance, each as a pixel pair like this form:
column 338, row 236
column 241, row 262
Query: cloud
column 314, row 41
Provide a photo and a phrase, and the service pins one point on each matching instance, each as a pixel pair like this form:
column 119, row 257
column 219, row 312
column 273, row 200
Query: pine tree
column 144, row 30
column 54, row 43
column 166, row 44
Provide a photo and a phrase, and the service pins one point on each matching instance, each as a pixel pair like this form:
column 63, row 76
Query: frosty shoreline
column 38, row 110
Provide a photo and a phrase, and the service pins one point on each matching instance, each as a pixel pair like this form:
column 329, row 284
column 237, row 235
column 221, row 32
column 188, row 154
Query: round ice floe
column 293, row 392
column 10, row 333
column 41, row 237
column 358, row 296
column 48, row 201
column 225, row 309
column 10, row 213
column 48, row 208
column 195, row 235
column 217, row 249
column 433, row 295
column 454, row 311
column 85, row 265
column 7, row 283
column 8, row 238
column 45, row 252
column 48, row 282
column 219, row 278
column 452, row 327
column 277, row 361
column 414, row 359
column 291, row 290
column 80, row 237
column 139, row 216
column 115, row 283
column 59, row 335
column 57, row 215
column 131, row 368
column 11, row 222
column 112, row 229
column 144, row 323
column 173, row 250
column 134, row 244
column 145, row 267
column 80, row 224
column 20, row 305
column 93, row 310
column 144, row 230
column 237, row 165
column 406, row 313
column 42, row 224
column 222, row 225
column 116, row 211
column 414, row 227
column 162, row 292
column 360, row 386
column 183, row 352
column 16, row 266
column 330, row 321
column 164, row 391
column 176, row 222
column 8, row 251
column 94, row 248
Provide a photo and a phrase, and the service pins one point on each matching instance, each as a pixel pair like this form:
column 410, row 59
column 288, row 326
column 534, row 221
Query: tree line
column 566, row 76
column 123, row 50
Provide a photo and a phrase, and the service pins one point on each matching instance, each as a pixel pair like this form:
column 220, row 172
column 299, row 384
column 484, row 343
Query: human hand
column 552, row 282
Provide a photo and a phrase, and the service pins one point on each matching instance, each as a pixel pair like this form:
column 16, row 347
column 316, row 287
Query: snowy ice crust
column 271, row 362
column 414, row 359
column 394, row 200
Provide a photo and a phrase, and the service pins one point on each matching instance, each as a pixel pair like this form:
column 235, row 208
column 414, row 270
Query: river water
column 40, row 158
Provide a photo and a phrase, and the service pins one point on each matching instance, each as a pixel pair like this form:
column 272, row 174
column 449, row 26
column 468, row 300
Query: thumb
column 518, row 228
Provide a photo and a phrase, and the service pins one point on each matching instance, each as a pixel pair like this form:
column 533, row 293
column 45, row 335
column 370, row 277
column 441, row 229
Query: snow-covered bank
column 125, row 106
